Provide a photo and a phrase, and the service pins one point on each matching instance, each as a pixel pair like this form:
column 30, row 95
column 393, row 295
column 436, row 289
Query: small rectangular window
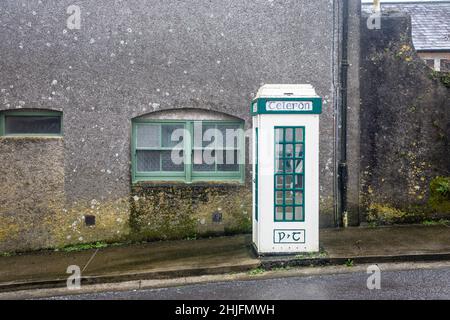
column 30, row 123
column 430, row 63
column 187, row 150
column 445, row 65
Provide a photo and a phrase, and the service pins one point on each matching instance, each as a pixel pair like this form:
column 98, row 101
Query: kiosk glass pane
column 298, row 184
column 298, row 135
column 298, row 198
column 279, row 197
column 289, row 213
column 289, row 134
column 289, row 150
column 299, row 150
column 289, row 165
column 298, row 214
column 279, row 213
column 279, row 180
column 278, row 135
column 289, row 174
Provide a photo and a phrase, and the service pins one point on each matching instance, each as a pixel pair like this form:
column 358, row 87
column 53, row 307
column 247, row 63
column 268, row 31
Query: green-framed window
column 289, row 177
column 187, row 150
column 30, row 123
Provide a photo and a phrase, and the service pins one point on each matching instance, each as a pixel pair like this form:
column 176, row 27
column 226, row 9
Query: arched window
column 187, row 145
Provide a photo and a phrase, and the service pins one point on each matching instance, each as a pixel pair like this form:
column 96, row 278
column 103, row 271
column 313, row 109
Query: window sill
column 188, row 184
column 31, row 137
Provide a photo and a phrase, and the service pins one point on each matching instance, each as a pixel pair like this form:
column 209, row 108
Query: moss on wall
column 67, row 226
column 179, row 211
column 438, row 207
column 439, row 198
column 9, row 229
column 385, row 214
column 326, row 214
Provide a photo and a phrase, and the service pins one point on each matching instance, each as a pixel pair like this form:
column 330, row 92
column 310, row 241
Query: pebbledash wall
column 139, row 58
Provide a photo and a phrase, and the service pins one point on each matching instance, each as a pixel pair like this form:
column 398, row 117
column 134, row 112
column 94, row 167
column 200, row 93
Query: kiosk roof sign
column 287, row 98
column 289, row 105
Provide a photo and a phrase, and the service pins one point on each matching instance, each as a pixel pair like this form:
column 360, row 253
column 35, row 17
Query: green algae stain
column 186, row 211
column 439, row 198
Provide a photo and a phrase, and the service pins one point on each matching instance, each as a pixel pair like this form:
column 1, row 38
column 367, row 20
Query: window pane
column 172, row 135
column 430, row 63
column 299, row 150
column 199, row 163
column 289, row 182
column 279, row 165
column 298, row 211
column 288, row 165
column 279, row 135
column 289, row 135
column 298, row 181
column 230, row 160
column 278, row 213
column 298, row 166
column 279, row 197
column 278, row 150
column 172, row 161
column 148, row 136
column 148, row 160
column 279, row 182
column 289, row 213
column 208, row 137
column 299, row 197
column 32, row 124
column 289, row 151
column 445, row 65
column 230, row 135
column 299, row 134
column 288, row 197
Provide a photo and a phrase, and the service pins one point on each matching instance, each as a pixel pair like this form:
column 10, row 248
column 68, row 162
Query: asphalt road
column 408, row 284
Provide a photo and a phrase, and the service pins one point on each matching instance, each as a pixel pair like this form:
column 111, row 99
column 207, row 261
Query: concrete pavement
column 174, row 259
column 374, row 245
column 386, row 241
column 157, row 260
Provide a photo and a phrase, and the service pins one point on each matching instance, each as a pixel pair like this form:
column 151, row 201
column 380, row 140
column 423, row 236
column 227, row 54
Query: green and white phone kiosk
column 286, row 169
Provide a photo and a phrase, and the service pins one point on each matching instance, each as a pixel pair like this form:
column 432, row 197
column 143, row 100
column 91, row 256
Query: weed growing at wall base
column 85, row 246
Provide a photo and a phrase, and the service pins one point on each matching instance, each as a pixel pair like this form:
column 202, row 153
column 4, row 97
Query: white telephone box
column 286, row 169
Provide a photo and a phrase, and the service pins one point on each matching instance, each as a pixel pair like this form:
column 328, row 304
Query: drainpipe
column 342, row 167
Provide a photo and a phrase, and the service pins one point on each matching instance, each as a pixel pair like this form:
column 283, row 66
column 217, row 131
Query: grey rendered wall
column 133, row 57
